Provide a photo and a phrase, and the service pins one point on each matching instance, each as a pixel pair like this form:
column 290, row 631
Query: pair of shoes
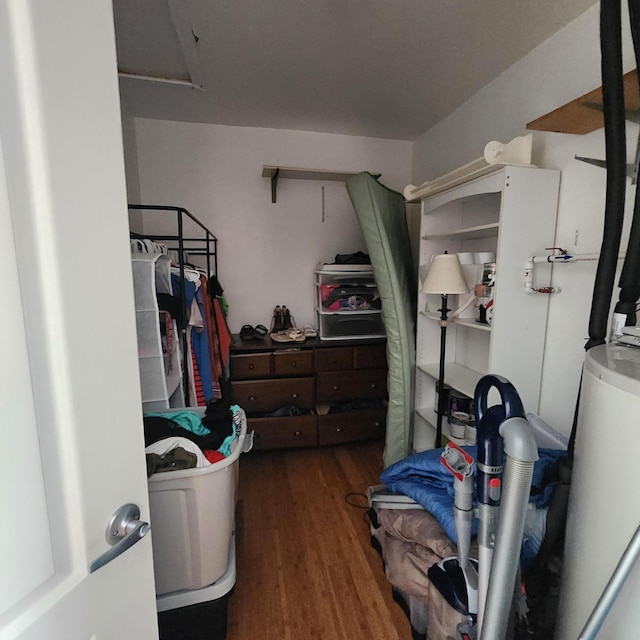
column 288, row 335
column 253, row 333
column 282, row 319
column 277, row 320
column 309, row 331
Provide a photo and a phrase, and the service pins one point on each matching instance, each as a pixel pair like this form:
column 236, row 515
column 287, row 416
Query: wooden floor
column 305, row 565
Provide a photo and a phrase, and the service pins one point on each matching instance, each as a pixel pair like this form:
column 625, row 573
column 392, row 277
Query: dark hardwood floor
column 306, row 569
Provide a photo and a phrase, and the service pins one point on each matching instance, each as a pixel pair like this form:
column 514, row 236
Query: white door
column 69, row 390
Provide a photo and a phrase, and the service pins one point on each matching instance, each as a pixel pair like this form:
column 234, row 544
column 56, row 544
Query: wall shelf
column 463, row 322
column 470, row 233
column 584, row 114
column 275, row 173
column 456, row 376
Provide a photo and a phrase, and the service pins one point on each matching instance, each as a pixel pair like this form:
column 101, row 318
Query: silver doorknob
column 123, row 531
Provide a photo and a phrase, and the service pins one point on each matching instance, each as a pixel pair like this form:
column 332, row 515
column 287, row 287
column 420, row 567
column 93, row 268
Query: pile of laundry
column 184, row 439
column 423, row 478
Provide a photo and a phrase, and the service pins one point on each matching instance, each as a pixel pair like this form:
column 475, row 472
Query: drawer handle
column 373, row 385
column 294, row 364
column 252, row 367
column 336, row 387
column 298, row 433
column 376, row 423
column 251, row 398
column 294, row 395
column 339, row 429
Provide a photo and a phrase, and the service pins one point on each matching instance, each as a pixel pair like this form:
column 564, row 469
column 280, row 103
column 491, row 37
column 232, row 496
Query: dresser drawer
column 249, row 366
column 291, row 363
column 370, row 356
column 284, row 433
column 267, row 395
column 336, row 428
column 351, row 385
column 334, row 359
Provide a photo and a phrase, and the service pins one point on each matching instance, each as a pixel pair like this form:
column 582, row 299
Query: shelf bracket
column 274, row 185
column 632, row 115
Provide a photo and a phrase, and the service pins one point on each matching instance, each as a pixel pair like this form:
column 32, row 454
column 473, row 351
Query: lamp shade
column 445, row 276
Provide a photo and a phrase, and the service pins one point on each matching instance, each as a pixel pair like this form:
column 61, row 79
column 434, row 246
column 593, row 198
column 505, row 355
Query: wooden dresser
column 340, row 387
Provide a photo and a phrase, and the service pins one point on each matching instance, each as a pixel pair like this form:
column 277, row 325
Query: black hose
column 616, row 154
column 630, row 277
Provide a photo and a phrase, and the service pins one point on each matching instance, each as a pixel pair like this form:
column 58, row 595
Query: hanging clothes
column 200, row 349
column 215, row 292
column 211, row 328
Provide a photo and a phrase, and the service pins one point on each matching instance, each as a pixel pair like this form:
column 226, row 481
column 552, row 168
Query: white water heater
column 604, row 506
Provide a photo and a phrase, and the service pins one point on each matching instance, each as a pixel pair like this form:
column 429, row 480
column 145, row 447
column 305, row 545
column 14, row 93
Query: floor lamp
column 445, row 277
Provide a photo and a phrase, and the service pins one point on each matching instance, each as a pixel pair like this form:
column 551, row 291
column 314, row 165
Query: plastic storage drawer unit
column 355, row 324
column 347, row 302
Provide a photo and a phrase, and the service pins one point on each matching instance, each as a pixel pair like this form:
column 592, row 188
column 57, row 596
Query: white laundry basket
column 192, row 519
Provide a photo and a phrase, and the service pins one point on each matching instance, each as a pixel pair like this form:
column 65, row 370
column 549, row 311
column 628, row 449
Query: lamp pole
column 445, row 277
column 443, row 322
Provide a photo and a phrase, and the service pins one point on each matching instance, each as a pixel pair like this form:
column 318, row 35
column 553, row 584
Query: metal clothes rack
column 207, row 246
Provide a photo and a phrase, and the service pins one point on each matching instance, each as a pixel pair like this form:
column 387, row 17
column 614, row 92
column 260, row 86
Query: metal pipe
column 522, row 452
column 611, row 591
column 576, row 257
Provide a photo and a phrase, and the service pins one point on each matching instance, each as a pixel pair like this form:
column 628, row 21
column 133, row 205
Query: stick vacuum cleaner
column 502, row 498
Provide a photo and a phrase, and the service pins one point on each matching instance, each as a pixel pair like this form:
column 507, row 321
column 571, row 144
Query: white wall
column 563, row 68
column 266, row 252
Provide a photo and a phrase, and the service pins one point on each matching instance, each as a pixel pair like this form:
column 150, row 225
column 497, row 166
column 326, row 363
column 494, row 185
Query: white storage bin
column 192, row 518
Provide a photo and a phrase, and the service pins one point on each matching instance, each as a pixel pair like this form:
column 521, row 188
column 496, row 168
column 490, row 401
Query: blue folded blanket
column 426, row 480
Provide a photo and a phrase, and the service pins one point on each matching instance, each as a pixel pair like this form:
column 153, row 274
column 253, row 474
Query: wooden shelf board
column 576, row 117
column 275, row 173
column 268, row 171
column 455, row 375
column 463, row 322
column 470, row 233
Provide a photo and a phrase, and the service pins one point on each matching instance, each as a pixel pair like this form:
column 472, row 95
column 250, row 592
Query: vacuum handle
column 510, row 399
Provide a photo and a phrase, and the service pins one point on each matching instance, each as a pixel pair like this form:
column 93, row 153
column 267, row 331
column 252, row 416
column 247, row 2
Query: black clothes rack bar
column 206, row 246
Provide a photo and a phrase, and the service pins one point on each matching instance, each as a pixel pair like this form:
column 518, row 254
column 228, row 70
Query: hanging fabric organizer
column 183, row 339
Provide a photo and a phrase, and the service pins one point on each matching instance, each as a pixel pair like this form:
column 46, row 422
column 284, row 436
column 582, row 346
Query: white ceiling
column 379, row 68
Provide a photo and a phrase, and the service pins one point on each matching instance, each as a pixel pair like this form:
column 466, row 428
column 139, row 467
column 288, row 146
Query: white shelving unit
column 511, row 212
column 347, row 323
column 160, row 379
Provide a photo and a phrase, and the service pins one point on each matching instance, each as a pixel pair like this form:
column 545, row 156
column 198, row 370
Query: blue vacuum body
column 490, row 444
column 466, row 589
